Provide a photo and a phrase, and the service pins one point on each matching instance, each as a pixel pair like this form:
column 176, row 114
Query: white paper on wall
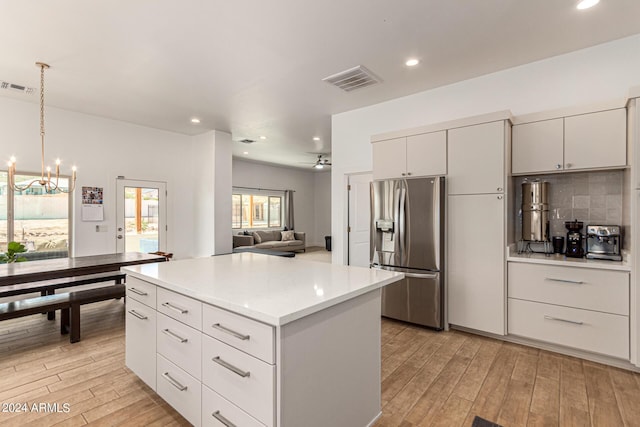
column 92, row 213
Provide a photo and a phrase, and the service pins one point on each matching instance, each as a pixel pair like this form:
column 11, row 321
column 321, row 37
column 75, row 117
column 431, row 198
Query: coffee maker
column 574, row 239
column 604, row 242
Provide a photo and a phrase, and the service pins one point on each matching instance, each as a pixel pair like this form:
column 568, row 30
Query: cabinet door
column 475, row 262
column 537, row 147
column 140, row 340
column 390, row 158
column 427, row 154
column 595, row 140
column 476, row 159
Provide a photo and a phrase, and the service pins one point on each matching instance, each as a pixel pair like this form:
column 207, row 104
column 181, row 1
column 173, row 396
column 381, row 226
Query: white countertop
column 274, row 290
column 558, row 259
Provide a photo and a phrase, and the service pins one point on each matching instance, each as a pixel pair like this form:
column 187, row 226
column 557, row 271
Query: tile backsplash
column 591, row 197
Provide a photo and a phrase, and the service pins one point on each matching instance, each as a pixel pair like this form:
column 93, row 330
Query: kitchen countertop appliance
column 535, row 218
column 604, row 242
column 574, row 239
column 407, row 235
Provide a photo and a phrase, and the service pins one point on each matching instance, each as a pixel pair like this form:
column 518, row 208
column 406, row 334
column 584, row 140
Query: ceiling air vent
column 353, row 78
column 248, row 141
column 16, row 88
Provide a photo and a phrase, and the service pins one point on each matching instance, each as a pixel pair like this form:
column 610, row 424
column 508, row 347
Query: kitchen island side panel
column 329, row 366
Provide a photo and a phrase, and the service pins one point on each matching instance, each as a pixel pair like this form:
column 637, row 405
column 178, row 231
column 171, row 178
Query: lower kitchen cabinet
column 140, row 338
column 583, row 308
column 475, row 262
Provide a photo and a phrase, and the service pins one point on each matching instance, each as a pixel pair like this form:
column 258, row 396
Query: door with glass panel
column 141, row 218
column 36, row 218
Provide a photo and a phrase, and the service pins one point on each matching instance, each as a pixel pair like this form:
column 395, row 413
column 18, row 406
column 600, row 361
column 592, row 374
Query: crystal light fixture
column 49, row 184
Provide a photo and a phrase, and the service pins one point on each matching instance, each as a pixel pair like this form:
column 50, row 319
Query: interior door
column 141, row 216
column 359, row 218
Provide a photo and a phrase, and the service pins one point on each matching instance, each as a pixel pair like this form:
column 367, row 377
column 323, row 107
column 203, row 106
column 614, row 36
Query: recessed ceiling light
column 245, row 152
column 263, row 137
column 412, row 62
column 316, row 138
column 586, row 4
column 195, row 120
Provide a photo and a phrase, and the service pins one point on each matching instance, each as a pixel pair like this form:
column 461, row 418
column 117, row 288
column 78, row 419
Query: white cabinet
column 538, row 147
column 390, row 158
column 415, row 155
column 596, row 140
column 587, row 309
column 475, row 262
column 584, row 141
column 140, row 338
column 180, row 390
column 476, row 159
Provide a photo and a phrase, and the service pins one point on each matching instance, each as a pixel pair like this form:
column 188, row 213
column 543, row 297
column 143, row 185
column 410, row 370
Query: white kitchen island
column 257, row 340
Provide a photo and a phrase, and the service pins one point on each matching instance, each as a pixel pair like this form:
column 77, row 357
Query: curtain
column 288, row 209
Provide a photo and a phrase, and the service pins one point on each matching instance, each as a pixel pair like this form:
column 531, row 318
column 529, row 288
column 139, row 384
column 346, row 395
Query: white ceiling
column 254, row 67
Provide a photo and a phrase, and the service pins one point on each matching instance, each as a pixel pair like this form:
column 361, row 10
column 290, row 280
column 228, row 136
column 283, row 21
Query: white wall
column 586, row 76
column 210, row 170
column 103, row 149
column 257, row 175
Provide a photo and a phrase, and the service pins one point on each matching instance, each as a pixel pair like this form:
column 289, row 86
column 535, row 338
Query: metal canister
column 535, row 211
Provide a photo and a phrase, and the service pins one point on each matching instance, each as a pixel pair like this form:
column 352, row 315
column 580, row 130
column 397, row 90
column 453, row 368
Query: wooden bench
column 69, row 304
column 48, row 287
column 70, row 315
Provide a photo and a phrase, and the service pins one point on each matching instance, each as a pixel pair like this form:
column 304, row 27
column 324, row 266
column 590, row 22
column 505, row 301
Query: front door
column 141, row 223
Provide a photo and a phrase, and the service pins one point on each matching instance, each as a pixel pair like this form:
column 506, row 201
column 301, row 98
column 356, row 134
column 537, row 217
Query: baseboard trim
column 556, row 348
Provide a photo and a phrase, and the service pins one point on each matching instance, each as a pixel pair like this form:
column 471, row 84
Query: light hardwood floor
column 428, row 378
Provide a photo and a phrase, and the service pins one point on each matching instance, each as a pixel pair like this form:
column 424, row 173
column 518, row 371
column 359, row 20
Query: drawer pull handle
column 230, row 367
column 218, row 416
column 576, row 282
column 173, row 382
column 138, row 315
column 563, row 320
column 238, row 335
column 174, row 336
column 175, row 308
column 138, row 292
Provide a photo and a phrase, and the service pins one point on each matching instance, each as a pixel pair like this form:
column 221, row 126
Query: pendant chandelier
column 49, row 184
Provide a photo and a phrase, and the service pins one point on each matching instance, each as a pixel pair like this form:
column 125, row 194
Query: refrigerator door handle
column 402, row 224
column 421, row 276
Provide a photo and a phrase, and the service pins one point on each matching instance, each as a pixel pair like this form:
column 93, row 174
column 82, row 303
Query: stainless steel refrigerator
column 407, row 235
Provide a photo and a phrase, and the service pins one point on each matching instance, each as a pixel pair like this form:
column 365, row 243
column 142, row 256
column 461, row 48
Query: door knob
column 119, row 236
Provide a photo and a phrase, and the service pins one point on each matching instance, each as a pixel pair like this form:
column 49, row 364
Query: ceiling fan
column 321, row 163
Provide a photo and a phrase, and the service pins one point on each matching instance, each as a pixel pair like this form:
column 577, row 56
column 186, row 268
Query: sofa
column 270, row 240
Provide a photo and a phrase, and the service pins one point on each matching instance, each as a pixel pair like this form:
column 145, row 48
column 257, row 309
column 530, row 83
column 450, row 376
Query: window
column 37, row 219
column 256, row 211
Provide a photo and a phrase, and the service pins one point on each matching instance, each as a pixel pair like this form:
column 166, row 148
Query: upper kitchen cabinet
column 596, row 140
column 476, row 159
column 574, row 142
column 415, row 155
column 538, row 146
column 390, row 158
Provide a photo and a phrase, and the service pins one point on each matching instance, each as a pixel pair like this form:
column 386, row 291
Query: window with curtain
column 38, row 219
column 256, row 211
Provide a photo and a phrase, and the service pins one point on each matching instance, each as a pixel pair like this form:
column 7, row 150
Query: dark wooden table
column 31, row 271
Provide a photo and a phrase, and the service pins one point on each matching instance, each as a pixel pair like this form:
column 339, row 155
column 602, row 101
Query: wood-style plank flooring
column 428, row 379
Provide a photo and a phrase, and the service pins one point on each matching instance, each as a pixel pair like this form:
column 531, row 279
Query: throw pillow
column 256, row 237
column 288, row 235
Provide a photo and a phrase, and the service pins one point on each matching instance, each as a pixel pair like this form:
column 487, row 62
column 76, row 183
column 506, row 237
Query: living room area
column 262, row 208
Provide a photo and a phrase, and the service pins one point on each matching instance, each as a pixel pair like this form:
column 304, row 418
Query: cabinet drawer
column 216, row 411
column 181, row 344
column 245, row 334
column 244, row 380
column 583, row 329
column 591, row 289
column 142, row 291
column 140, row 340
column 182, row 308
column 180, row 390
